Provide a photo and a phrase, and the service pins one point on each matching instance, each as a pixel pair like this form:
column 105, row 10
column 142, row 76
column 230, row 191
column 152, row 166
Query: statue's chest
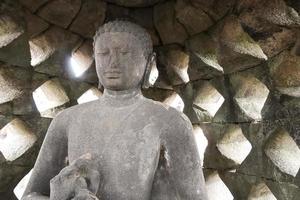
column 130, row 142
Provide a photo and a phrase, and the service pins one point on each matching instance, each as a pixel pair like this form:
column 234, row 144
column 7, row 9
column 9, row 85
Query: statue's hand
column 79, row 175
column 84, row 194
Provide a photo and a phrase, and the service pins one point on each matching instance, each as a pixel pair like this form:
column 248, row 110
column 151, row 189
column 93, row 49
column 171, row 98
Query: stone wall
column 232, row 66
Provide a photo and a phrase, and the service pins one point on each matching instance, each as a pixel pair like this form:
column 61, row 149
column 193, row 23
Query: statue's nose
column 114, row 60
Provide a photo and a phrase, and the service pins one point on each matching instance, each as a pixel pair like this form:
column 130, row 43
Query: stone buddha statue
column 122, row 146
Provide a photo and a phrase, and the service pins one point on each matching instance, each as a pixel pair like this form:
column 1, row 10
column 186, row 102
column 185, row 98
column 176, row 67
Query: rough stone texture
column 13, row 83
column 134, row 3
column 60, row 12
column 215, row 40
column 175, row 62
column 186, row 13
column 35, row 25
column 89, row 18
column 285, row 72
column 216, row 9
column 33, row 5
column 169, row 29
column 204, row 58
column 53, row 44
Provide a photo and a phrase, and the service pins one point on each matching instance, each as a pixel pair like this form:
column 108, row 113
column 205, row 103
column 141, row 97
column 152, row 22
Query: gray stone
column 52, row 46
column 205, row 50
column 134, row 3
column 215, row 9
column 170, row 31
column 33, row 5
column 176, row 63
column 13, row 83
column 60, row 12
column 35, row 25
column 137, row 139
column 285, row 72
column 194, row 19
column 89, row 18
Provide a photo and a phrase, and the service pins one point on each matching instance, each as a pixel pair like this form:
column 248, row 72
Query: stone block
column 60, row 12
column 170, row 31
column 16, row 139
column 89, row 18
column 175, row 63
column 35, row 24
column 13, row 83
column 194, row 19
column 285, row 73
column 33, row 5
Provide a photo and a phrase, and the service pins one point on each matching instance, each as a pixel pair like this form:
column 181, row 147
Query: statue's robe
column 142, row 149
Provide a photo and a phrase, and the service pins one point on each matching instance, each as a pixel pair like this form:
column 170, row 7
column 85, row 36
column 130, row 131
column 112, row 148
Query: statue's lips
column 112, row 74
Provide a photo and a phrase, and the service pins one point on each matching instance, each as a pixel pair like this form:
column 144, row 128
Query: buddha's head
column 123, row 52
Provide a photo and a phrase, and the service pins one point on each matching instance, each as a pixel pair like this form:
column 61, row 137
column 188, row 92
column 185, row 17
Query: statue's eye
column 124, row 52
column 103, row 53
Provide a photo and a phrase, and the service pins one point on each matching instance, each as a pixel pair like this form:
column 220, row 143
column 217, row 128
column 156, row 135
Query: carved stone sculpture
column 122, row 146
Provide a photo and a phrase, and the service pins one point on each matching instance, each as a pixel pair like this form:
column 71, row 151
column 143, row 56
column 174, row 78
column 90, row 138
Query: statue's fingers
column 94, row 180
column 80, row 184
column 84, row 194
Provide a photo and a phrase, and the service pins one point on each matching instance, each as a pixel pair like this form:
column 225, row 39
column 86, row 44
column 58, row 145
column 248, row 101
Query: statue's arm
column 184, row 165
column 50, row 161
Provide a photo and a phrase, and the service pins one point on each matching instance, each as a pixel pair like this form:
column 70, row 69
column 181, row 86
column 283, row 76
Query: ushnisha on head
column 123, row 54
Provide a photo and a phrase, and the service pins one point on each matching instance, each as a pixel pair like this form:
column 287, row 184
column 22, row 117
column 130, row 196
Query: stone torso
column 125, row 142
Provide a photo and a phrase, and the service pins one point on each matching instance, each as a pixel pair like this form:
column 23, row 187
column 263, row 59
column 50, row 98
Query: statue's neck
column 121, row 98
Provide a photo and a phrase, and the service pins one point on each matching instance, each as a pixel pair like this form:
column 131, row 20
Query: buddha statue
column 122, row 146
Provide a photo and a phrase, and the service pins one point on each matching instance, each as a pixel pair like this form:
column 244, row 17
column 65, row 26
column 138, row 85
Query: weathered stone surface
column 260, row 192
column 274, row 12
column 91, row 94
column 169, row 29
column 49, row 96
column 13, row 37
column 157, row 94
column 238, row 51
column 89, row 18
column 35, row 25
column 214, row 183
column 215, row 9
column 9, row 175
column 60, row 12
column 17, row 52
column 201, row 141
column 207, row 98
column 176, row 63
column 24, row 105
column 20, row 188
column 82, row 59
column 250, row 94
column 10, row 29
column 234, row 37
column 204, row 48
column 175, row 101
column 52, row 41
column 284, row 152
column 134, row 3
column 15, row 139
column 234, row 145
column 13, row 83
column 33, row 5
column 194, row 19
column 285, row 72
column 278, row 42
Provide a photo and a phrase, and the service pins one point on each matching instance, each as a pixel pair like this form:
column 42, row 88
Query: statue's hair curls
column 128, row 27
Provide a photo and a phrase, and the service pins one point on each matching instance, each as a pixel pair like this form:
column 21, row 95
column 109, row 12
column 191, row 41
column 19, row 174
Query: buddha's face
column 120, row 62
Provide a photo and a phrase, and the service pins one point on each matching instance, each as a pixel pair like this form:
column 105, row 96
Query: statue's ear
column 151, row 72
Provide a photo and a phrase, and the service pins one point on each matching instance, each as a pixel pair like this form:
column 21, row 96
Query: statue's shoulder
column 79, row 109
column 167, row 113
